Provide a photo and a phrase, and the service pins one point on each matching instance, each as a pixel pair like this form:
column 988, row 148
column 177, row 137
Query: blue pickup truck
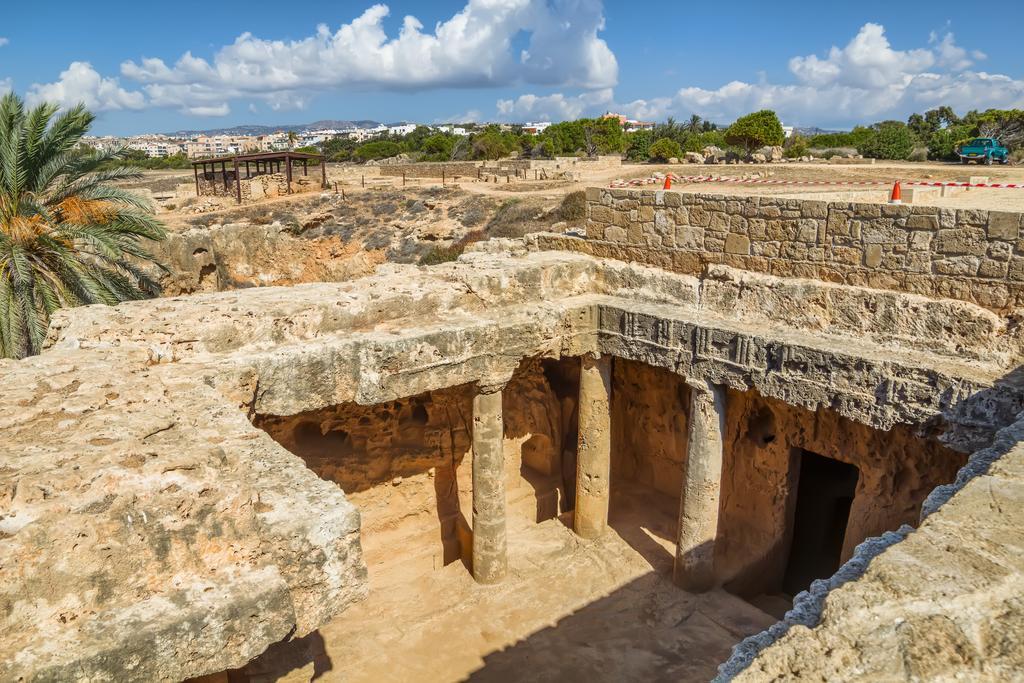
column 984, row 150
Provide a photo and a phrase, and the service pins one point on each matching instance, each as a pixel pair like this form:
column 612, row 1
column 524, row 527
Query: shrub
column 918, row 154
column 573, row 207
column 512, row 219
column 310, row 149
column 890, row 140
column 698, row 141
column 796, row 147
column 639, row 145
column 945, row 143
column 756, row 130
column 664, row 149
column 378, row 149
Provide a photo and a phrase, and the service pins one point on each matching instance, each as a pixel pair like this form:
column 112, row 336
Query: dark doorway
column 823, row 498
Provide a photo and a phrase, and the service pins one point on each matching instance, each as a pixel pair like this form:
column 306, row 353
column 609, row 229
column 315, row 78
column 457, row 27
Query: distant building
column 787, row 130
column 535, row 128
column 403, row 129
column 628, row 123
column 452, row 130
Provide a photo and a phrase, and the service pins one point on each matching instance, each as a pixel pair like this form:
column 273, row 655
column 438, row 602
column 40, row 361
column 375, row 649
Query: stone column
column 489, row 543
column 593, row 456
column 702, row 484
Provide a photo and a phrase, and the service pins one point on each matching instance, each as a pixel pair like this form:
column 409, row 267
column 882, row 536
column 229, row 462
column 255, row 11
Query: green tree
column 665, row 149
column 67, row 237
column 889, row 140
column 945, row 143
column 756, row 130
column 377, row 149
column 603, row 136
column 796, row 146
column 438, row 147
column 493, row 143
column 310, row 149
column 292, row 139
column 639, row 145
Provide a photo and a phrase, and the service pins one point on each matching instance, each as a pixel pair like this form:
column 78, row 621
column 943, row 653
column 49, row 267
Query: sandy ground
column 554, row 190
column 569, row 611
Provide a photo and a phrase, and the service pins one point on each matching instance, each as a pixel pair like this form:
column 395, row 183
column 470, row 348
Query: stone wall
column 649, row 426
column 897, row 469
column 406, row 464
column 259, row 187
column 450, row 169
column 965, row 254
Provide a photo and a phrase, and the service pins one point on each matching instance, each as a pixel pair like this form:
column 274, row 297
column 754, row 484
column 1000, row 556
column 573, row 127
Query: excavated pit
column 406, row 464
column 800, row 490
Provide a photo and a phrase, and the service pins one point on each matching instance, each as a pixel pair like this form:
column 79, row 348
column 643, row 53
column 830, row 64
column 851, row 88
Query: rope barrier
column 637, row 182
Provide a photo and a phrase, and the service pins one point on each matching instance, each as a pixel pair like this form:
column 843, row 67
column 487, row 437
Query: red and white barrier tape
column 636, row 182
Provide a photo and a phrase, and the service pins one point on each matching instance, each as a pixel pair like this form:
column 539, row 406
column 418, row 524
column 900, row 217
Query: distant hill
column 811, row 131
column 252, row 129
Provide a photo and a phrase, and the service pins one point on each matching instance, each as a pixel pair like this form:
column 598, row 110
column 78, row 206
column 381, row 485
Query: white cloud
column 6, row 86
column 868, row 61
column 473, row 48
column 557, row 107
column 865, row 81
column 4, row 41
column 81, row 83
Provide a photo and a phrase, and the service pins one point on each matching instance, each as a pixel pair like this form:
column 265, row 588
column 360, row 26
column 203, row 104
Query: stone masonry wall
column 965, row 254
column 450, row 169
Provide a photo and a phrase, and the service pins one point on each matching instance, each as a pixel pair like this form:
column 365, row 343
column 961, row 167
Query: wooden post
column 323, row 171
column 288, row 171
column 224, row 173
column 362, row 179
column 403, row 178
column 442, row 177
column 238, row 183
column 195, row 169
column 304, row 169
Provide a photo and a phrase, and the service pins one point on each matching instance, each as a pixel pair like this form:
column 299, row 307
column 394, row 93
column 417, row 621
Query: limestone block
column 992, row 268
column 737, row 244
column 961, row 241
column 1004, row 225
column 689, row 237
column 614, row 233
column 814, row 209
column 957, row 265
column 873, row 255
column 1000, row 251
column 923, row 222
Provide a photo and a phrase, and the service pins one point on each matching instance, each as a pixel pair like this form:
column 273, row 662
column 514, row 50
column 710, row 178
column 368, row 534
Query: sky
column 161, row 67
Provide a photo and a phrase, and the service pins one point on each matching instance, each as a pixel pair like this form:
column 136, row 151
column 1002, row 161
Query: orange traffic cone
column 668, row 182
column 897, row 196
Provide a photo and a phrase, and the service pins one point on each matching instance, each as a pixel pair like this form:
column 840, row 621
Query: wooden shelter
column 259, row 163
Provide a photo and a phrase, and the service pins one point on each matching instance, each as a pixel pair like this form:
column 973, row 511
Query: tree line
column 936, row 134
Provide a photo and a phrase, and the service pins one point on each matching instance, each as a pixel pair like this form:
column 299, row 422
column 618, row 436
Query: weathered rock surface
column 154, row 518
column 149, row 532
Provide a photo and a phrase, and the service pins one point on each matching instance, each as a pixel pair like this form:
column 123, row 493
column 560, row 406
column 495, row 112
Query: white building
column 535, row 127
column 403, row 129
column 452, row 130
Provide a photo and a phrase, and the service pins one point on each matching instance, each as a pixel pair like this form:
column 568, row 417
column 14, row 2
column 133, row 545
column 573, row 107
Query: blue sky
column 159, row 67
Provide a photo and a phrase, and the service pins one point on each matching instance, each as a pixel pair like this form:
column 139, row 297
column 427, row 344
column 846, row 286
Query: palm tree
column 695, row 124
column 67, row 237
